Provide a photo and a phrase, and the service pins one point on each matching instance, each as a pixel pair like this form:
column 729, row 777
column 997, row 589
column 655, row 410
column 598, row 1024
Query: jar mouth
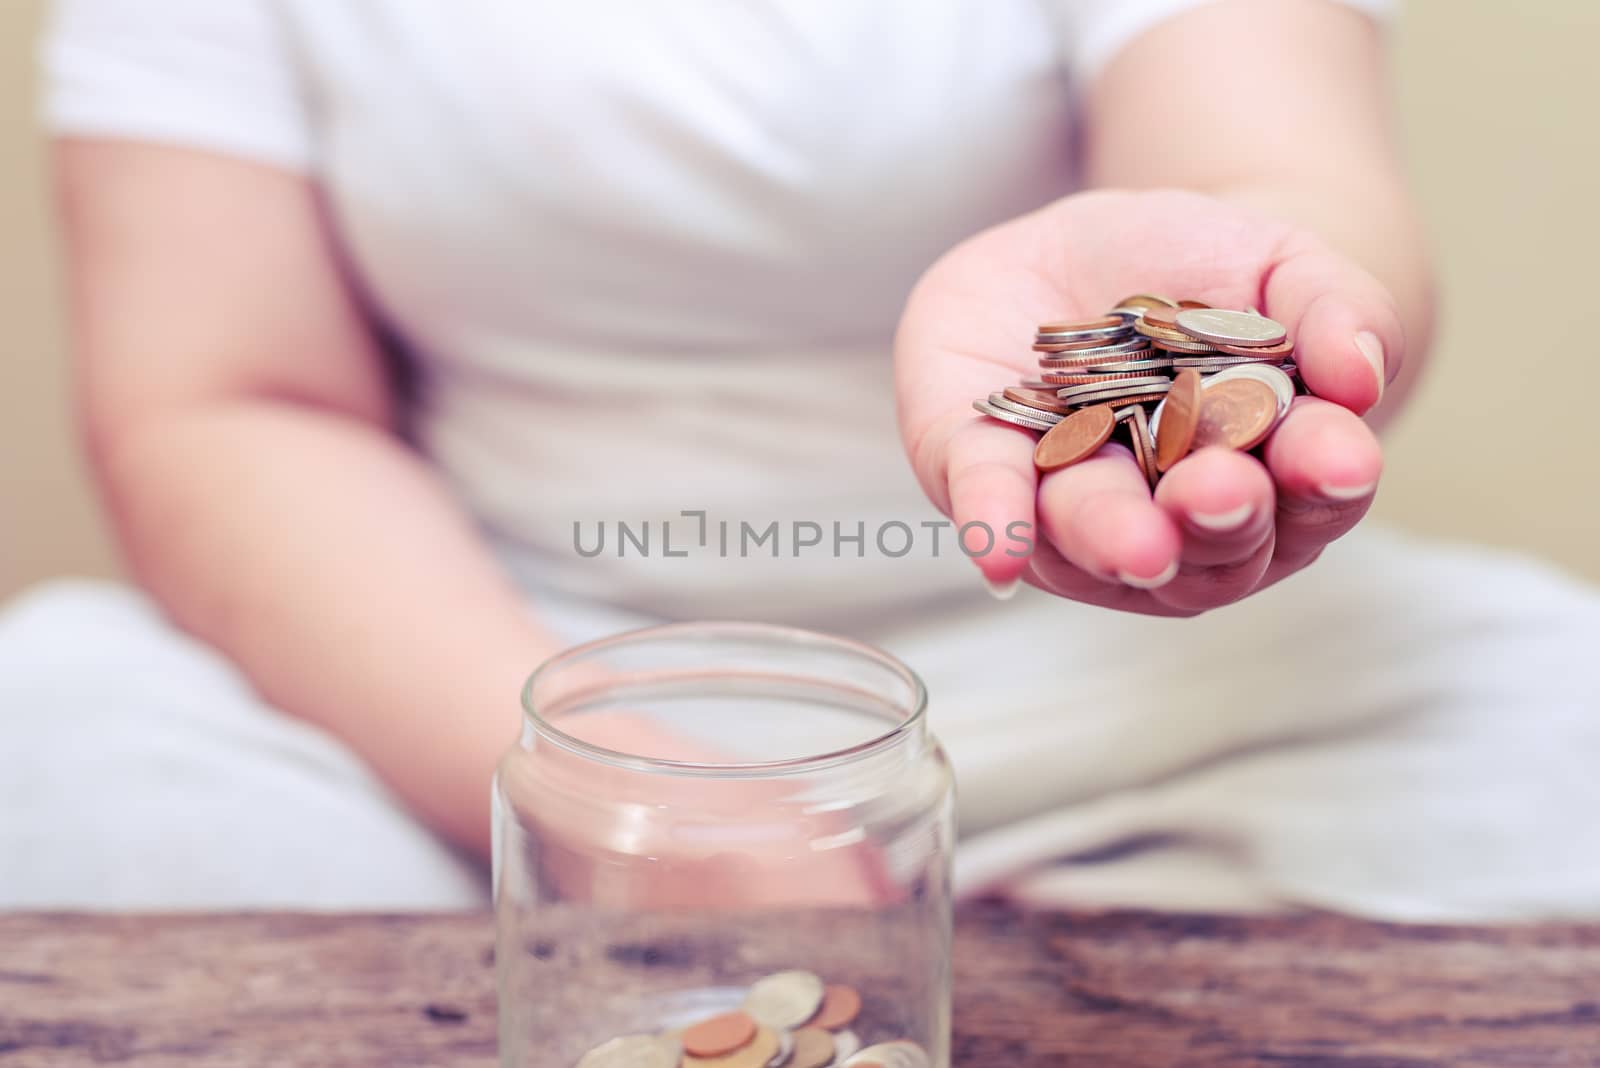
column 911, row 722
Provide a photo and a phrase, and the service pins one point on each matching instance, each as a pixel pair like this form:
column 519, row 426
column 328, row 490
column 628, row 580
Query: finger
column 1349, row 342
column 991, row 481
column 1326, row 462
column 1223, row 501
column 1053, row 573
column 1099, row 515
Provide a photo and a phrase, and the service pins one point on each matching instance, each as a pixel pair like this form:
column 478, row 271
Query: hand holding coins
column 788, row 1019
column 1176, row 376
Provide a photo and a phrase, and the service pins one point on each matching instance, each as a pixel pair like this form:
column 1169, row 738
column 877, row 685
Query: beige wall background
column 1498, row 103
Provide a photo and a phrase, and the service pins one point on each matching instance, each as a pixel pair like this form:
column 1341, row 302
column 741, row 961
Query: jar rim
column 912, row 721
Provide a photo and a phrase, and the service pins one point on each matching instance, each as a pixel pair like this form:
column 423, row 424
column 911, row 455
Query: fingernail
column 1002, row 591
column 1224, row 522
column 1169, row 573
column 1371, row 349
column 1346, row 493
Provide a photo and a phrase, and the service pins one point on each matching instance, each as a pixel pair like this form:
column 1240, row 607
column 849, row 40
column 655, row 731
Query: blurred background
column 1497, row 107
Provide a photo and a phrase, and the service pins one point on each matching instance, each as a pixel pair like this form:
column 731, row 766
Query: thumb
column 1349, row 343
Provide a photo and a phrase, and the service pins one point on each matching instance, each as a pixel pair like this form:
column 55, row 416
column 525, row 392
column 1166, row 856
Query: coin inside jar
column 719, row 1035
column 840, row 1006
column 785, row 1000
column 762, row 1048
column 1075, row 438
column 1237, row 413
column 900, row 1054
column 813, row 1048
column 1180, row 412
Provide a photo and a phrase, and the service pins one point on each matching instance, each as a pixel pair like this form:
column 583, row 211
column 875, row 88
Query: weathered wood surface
column 1106, row 990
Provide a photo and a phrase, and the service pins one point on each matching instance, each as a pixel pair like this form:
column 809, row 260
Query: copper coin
column 1220, row 326
column 1086, row 326
column 1044, row 399
column 1144, row 450
column 1162, row 319
column 1236, row 413
column 1077, row 363
column 1260, row 352
column 1075, row 378
column 813, row 1048
column 840, row 1004
column 1193, row 304
column 1161, row 333
column 1073, row 346
column 1121, row 402
column 1099, row 382
column 1179, row 414
column 761, row 1049
column 999, row 400
column 1114, row 346
column 1075, row 438
column 719, row 1035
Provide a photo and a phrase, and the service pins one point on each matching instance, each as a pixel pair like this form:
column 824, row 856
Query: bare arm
column 239, row 421
column 1281, row 105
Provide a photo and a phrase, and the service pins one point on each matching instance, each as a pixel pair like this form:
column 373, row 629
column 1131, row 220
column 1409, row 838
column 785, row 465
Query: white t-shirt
column 648, row 258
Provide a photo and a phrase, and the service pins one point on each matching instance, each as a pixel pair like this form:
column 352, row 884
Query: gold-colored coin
column 813, row 1048
column 1143, row 302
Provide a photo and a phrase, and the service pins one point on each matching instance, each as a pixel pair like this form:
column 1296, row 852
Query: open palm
column 1220, row 524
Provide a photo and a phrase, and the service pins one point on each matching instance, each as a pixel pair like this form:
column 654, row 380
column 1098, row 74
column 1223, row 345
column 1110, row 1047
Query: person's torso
column 649, row 258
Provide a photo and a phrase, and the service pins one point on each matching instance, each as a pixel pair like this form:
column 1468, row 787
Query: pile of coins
column 1212, row 377
column 788, row 1020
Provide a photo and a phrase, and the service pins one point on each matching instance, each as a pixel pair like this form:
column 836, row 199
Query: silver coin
column 634, row 1051
column 785, row 1050
column 1134, row 385
column 1230, row 327
column 1027, row 422
column 1213, row 363
column 900, row 1054
column 1096, row 333
column 1138, row 344
column 1282, row 385
column 1106, row 368
column 1112, row 396
column 1006, row 415
column 845, row 1046
column 1000, row 400
column 785, row 1000
column 1193, row 348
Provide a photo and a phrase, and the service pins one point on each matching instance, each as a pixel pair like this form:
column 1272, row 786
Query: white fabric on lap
column 140, row 772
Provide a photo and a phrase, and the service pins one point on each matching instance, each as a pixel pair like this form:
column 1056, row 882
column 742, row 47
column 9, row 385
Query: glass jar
column 726, row 818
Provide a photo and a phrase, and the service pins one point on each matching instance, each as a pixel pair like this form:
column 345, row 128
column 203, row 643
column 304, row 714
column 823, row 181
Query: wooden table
column 1094, row 990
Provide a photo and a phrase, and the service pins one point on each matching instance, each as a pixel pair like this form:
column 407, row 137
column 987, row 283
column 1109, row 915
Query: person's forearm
column 325, row 560
column 1283, row 106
